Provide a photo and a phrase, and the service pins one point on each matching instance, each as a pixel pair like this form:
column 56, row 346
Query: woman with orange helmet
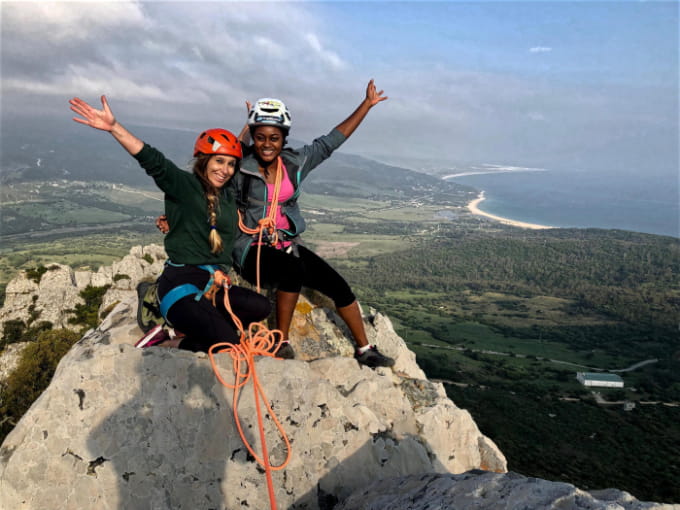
column 203, row 226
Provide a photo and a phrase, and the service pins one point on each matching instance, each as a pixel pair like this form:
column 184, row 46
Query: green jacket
column 187, row 210
column 299, row 163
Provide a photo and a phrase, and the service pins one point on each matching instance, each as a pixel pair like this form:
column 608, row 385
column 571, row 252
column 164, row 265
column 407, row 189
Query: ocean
column 640, row 203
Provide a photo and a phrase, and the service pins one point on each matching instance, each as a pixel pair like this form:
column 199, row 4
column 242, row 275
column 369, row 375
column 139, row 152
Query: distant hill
column 62, row 149
column 54, row 149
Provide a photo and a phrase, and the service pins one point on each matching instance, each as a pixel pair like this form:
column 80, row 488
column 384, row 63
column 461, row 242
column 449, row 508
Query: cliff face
column 121, row 427
column 126, row 428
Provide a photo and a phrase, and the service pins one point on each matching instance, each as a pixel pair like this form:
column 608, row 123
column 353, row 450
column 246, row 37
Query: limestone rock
column 481, row 490
column 60, row 286
column 46, row 300
column 9, row 359
column 130, row 428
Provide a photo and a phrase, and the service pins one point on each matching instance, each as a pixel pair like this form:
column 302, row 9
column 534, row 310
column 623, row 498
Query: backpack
column 148, row 306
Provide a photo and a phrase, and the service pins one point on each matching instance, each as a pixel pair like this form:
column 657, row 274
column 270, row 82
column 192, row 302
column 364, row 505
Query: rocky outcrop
column 482, row 490
column 126, row 428
column 121, row 427
column 9, row 359
column 58, row 289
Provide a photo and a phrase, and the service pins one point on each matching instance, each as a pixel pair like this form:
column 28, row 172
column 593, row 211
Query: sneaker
column 285, row 351
column 373, row 358
column 155, row 336
column 148, row 307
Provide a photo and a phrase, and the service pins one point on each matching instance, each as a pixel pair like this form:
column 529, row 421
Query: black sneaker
column 373, row 358
column 285, row 351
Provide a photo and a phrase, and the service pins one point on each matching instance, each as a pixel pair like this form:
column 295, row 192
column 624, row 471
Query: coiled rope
column 259, row 341
column 266, row 224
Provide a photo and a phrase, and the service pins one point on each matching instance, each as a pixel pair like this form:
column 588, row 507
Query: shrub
column 120, row 276
column 13, row 332
column 36, row 273
column 148, row 258
column 86, row 314
column 32, row 375
column 17, row 331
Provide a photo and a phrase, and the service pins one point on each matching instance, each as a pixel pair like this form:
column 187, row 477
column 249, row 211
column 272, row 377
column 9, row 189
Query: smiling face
column 268, row 142
column 220, row 169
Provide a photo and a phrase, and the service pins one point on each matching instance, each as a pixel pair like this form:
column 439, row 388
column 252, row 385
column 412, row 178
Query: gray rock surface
column 9, row 359
column 480, row 490
column 124, row 428
column 60, row 286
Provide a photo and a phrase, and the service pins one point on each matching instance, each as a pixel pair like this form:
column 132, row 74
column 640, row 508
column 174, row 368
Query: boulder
column 121, row 427
column 482, row 490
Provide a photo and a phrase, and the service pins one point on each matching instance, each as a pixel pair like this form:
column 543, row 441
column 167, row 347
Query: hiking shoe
column 148, row 307
column 373, row 358
column 285, row 351
column 155, row 336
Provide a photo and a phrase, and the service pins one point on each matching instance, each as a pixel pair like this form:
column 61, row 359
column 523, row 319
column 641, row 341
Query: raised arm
column 373, row 97
column 244, row 135
column 104, row 120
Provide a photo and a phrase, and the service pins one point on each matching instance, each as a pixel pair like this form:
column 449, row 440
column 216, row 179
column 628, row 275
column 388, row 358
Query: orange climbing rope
column 268, row 223
column 259, row 341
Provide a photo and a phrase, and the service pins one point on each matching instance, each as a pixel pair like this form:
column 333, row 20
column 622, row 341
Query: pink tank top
column 285, row 193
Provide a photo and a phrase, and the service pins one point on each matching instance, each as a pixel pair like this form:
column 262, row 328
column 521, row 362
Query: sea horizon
column 580, row 200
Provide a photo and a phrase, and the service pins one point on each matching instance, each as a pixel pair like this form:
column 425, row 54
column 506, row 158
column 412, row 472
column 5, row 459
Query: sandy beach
column 474, row 209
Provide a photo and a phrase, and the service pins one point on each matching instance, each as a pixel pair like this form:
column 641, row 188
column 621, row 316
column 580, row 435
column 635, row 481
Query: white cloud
column 60, row 21
column 327, row 56
column 540, row 49
column 271, row 47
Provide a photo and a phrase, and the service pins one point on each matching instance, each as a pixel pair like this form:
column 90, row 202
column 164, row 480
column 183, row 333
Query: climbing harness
column 186, row 289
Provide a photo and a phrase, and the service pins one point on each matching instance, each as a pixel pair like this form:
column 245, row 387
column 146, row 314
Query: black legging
column 288, row 273
column 201, row 322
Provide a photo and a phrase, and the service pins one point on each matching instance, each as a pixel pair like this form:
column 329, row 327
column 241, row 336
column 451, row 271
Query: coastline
column 474, row 209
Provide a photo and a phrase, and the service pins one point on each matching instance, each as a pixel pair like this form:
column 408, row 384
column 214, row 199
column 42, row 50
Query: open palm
column 373, row 95
column 99, row 119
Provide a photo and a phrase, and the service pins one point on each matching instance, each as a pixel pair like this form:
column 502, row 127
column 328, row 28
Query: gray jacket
column 299, row 163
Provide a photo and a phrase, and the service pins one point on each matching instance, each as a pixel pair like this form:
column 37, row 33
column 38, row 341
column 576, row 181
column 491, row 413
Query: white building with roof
column 602, row 380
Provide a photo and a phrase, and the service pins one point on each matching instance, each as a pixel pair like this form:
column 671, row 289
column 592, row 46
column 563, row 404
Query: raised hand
column 104, row 120
column 372, row 95
column 99, row 119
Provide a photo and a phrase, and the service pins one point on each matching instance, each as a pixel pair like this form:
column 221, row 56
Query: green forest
column 506, row 321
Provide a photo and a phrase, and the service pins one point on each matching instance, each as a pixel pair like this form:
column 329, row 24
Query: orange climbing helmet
column 218, row 141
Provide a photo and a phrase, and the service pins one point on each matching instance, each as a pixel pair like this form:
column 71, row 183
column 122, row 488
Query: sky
column 548, row 84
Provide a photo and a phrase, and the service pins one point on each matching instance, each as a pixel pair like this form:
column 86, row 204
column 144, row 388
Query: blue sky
column 551, row 84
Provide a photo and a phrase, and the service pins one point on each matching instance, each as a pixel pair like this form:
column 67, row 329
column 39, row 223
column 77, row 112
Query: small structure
column 603, row 380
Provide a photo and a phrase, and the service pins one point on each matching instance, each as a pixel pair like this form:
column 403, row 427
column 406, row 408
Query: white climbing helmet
column 269, row 112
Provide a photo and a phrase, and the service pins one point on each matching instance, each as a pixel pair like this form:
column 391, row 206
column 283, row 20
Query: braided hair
column 212, row 197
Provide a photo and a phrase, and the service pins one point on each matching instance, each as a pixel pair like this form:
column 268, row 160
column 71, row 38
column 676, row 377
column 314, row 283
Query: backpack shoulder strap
column 242, row 199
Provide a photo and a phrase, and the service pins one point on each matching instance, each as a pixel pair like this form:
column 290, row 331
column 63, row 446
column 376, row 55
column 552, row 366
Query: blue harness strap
column 185, row 290
column 175, row 295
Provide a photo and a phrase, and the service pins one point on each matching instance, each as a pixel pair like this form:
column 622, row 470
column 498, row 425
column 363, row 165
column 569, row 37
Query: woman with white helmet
column 271, row 170
column 203, row 227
